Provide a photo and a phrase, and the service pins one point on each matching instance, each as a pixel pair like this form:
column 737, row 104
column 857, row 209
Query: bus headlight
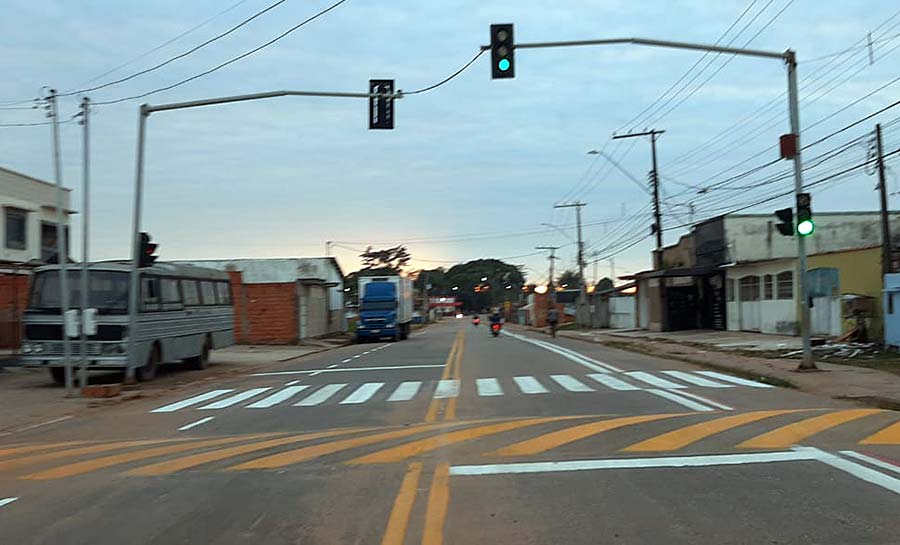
column 26, row 348
column 37, row 348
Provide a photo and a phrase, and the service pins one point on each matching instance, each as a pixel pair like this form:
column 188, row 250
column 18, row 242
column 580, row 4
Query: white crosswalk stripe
column 406, row 391
column 278, row 397
column 530, row 385
column 235, row 399
column 320, row 396
column 735, row 380
column 697, row 381
column 571, row 384
column 446, row 388
column 614, row 383
column 191, row 401
column 655, row 381
column 488, row 387
column 363, row 393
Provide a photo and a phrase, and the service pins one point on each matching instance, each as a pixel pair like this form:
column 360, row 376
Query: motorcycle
column 495, row 329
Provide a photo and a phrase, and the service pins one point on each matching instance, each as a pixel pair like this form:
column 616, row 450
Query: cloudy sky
column 475, row 166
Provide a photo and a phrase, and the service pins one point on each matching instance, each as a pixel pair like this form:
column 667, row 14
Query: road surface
column 455, row 437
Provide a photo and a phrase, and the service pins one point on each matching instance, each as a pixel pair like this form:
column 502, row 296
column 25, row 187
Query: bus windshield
column 108, row 291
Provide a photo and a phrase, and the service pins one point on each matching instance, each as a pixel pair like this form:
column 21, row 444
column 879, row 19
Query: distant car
column 459, row 315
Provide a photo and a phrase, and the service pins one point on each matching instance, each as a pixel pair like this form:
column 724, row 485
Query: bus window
column 224, row 293
column 189, row 290
column 171, row 298
column 150, row 293
column 208, row 291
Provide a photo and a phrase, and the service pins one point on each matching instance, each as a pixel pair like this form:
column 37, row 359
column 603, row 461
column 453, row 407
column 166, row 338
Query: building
column 284, row 300
column 444, row 305
column 736, row 272
column 27, row 240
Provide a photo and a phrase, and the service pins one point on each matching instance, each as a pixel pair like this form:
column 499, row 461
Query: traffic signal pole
column 790, row 59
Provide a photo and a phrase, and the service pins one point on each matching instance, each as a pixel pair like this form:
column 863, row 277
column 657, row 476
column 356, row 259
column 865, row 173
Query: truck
column 385, row 308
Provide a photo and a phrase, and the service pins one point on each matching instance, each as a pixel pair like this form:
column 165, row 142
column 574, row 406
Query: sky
column 474, row 167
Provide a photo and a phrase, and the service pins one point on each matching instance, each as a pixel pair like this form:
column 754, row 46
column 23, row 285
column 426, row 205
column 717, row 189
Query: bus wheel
column 148, row 371
column 200, row 361
column 58, row 374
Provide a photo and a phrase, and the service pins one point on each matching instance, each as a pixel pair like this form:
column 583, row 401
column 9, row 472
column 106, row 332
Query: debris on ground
column 842, row 350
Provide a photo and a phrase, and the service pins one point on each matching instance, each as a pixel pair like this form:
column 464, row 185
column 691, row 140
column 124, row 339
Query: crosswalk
column 671, row 385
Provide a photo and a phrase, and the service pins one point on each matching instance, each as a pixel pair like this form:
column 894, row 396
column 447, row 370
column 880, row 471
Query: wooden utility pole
column 886, row 253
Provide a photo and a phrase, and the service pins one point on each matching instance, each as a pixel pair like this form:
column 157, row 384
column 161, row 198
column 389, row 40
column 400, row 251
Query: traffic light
column 805, row 223
column 502, row 52
column 146, row 257
column 786, row 225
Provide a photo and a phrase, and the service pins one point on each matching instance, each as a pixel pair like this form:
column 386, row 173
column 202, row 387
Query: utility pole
column 552, row 258
column 886, row 253
column 62, row 252
column 577, row 206
column 328, row 244
column 654, row 183
column 612, row 270
column 85, row 230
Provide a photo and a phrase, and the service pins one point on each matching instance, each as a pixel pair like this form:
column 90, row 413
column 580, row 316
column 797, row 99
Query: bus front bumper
column 50, row 354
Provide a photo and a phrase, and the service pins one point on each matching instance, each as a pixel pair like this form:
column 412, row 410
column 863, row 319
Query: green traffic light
column 503, row 65
column 806, row 228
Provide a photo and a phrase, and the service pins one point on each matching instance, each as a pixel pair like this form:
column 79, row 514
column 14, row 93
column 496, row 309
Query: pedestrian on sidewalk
column 552, row 320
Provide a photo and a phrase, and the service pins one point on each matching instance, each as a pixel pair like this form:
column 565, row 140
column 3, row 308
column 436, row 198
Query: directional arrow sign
column 381, row 109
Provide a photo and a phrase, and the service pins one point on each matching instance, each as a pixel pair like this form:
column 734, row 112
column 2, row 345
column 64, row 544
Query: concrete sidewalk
column 867, row 385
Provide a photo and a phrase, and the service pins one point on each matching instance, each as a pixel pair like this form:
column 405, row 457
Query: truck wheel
column 148, row 371
column 58, row 374
column 200, row 361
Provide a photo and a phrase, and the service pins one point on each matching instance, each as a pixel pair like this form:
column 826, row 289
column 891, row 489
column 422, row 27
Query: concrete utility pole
column 654, row 183
column 577, row 206
column 62, row 251
column 85, row 230
column 552, row 258
column 886, row 253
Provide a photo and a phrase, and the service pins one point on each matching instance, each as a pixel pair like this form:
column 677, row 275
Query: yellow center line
column 792, row 434
column 407, row 450
column 315, row 451
column 888, row 436
column 575, row 433
column 18, row 462
column 186, row 462
column 395, row 533
column 456, row 373
column 687, row 435
column 434, row 406
column 438, row 501
column 117, row 459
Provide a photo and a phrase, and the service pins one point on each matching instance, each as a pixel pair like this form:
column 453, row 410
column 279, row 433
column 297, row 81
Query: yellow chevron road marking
column 888, row 436
column 93, row 449
column 792, row 434
column 32, row 448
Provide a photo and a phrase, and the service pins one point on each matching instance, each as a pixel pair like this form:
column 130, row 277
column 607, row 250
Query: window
column 785, row 281
column 729, row 290
column 209, row 292
column 150, row 293
column 170, row 297
column 768, row 292
column 749, row 288
column 108, row 291
column 224, row 293
column 190, row 293
column 890, row 299
column 16, row 228
column 48, row 242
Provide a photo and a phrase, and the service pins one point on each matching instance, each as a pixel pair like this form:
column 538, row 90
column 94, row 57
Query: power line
column 448, row 78
column 228, row 62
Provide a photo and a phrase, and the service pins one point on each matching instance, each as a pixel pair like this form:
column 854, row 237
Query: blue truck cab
column 385, row 308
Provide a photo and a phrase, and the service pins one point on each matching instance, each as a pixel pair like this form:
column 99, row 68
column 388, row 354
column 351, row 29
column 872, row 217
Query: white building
column 28, row 226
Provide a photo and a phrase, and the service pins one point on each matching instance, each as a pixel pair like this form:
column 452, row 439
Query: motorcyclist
column 476, row 320
column 496, row 318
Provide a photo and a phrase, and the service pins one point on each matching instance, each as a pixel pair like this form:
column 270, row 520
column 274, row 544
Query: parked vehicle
column 385, row 308
column 184, row 313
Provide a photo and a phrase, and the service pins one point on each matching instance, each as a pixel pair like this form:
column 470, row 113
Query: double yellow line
column 439, row 495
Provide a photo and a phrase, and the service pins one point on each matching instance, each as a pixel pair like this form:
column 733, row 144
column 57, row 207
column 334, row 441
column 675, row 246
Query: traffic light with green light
column 502, row 52
column 805, row 223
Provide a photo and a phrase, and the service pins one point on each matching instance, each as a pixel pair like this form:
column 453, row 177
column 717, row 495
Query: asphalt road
column 456, row 437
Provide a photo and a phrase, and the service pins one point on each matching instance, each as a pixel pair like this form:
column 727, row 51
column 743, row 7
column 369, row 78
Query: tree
column 387, row 260
column 569, row 279
column 477, row 294
column 604, row 284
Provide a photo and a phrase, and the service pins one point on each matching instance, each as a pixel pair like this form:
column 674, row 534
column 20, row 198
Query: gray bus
column 184, row 313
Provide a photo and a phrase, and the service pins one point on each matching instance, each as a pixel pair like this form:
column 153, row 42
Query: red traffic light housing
column 147, row 251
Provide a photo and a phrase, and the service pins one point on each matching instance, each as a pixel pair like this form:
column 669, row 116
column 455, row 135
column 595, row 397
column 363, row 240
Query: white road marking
column 571, row 384
column 363, row 393
column 356, row 356
column 446, row 388
column 857, row 470
column 6, row 501
column 197, row 423
column 735, row 380
column 571, row 355
column 406, row 391
column 614, row 383
column 235, row 399
column 653, row 380
column 346, row 360
column 320, row 396
column 488, row 387
column 333, row 365
column 191, row 401
column 585, row 360
column 697, row 381
column 278, row 397
column 872, row 461
column 634, row 463
column 343, row 369
column 291, row 383
column 707, row 401
column 530, row 385
column 38, row 425
column 683, row 401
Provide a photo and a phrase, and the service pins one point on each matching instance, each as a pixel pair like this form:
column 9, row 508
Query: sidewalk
column 727, row 351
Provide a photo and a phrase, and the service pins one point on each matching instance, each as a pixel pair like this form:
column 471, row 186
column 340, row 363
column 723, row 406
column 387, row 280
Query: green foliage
column 569, row 279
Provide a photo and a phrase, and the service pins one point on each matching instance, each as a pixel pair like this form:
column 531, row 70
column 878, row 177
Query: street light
column 455, row 288
column 484, row 278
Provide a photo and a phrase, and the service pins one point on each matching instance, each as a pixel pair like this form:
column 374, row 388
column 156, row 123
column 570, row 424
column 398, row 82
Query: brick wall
column 542, row 304
column 264, row 313
column 13, row 299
